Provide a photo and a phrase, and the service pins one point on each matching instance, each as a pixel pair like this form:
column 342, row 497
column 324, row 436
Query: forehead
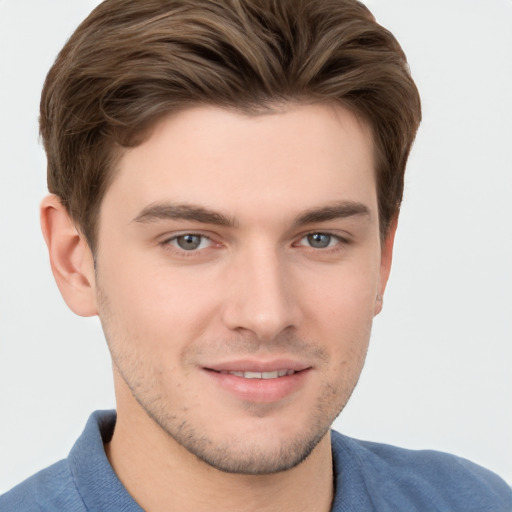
column 286, row 161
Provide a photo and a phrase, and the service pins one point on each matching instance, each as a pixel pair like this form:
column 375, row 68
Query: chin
column 252, row 445
column 250, row 456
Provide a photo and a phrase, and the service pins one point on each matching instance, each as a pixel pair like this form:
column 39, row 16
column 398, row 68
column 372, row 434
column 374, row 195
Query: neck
column 161, row 475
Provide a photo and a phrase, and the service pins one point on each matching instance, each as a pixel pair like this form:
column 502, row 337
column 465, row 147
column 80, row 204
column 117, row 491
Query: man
column 226, row 179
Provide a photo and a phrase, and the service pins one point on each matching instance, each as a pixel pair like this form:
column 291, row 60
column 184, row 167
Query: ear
column 70, row 257
column 385, row 263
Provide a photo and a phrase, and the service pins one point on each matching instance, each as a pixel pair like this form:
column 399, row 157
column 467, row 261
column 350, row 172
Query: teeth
column 255, row 375
column 261, row 375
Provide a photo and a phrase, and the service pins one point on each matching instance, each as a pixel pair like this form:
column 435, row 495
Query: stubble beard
column 237, row 455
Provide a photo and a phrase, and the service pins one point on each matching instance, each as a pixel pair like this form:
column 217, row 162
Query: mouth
column 259, row 382
column 276, row 374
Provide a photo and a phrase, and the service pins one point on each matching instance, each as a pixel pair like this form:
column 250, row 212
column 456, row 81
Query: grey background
column 438, row 372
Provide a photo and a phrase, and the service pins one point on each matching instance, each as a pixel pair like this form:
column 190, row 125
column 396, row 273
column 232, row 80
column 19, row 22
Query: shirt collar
column 98, row 485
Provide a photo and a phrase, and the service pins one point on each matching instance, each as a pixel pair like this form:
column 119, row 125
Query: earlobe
column 385, row 263
column 70, row 257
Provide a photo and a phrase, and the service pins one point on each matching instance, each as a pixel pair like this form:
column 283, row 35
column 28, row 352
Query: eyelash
column 168, row 245
column 341, row 243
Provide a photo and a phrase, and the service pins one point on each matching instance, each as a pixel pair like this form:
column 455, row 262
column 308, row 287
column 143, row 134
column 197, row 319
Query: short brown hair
column 132, row 62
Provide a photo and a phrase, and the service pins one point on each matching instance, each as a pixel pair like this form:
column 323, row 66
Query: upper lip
column 251, row 365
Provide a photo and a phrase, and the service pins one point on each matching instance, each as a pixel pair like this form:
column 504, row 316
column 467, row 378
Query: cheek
column 153, row 298
column 342, row 298
column 340, row 315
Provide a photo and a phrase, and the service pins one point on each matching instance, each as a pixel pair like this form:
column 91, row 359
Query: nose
column 260, row 297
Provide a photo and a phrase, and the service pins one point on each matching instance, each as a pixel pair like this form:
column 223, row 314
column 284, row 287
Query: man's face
column 238, row 266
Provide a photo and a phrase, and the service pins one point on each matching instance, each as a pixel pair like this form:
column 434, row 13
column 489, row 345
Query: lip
column 252, row 365
column 263, row 391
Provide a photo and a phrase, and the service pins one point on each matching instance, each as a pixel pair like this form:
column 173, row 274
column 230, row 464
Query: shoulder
column 49, row 490
column 424, row 479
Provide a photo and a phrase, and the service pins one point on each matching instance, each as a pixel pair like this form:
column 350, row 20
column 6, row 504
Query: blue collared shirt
column 368, row 476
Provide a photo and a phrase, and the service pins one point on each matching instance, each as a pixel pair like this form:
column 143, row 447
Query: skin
column 284, row 271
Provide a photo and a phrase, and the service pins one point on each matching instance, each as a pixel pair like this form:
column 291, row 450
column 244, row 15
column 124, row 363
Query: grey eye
column 319, row 240
column 189, row 242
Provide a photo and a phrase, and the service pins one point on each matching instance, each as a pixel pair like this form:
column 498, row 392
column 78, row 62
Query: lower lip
column 259, row 390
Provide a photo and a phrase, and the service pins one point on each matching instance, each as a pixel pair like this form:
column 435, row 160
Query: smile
column 260, row 375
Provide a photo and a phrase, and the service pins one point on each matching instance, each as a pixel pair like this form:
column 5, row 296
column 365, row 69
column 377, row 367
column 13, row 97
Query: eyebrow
column 334, row 211
column 170, row 211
